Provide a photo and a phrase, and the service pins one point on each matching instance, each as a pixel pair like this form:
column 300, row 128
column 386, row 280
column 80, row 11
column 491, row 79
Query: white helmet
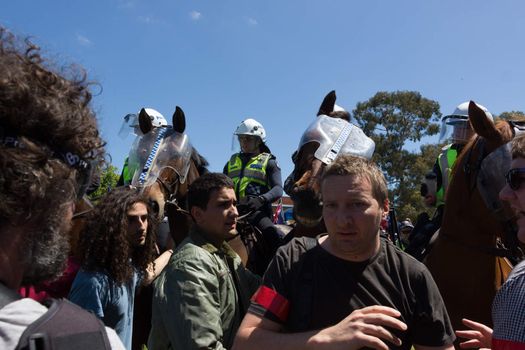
column 157, row 119
column 251, row 127
column 456, row 126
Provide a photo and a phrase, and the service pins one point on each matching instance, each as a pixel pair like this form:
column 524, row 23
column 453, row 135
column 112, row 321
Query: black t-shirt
column 307, row 288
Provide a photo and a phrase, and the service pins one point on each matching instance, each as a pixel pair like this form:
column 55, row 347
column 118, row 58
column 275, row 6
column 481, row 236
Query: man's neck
column 11, row 264
column 327, row 245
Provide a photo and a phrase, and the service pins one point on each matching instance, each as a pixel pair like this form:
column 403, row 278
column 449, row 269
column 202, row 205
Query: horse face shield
column 154, row 152
column 336, row 135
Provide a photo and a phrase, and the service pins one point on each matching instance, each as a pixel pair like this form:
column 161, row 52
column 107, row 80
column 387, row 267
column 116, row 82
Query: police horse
column 328, row 135
column 469, row 260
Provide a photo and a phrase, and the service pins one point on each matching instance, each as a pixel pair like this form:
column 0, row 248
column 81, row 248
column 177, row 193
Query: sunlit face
column 516, row 198
column 137, row 224
column 249, row 143
column 352, row 217
column 219, row 219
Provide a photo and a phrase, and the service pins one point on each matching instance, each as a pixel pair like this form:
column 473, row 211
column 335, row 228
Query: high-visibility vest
column 253, row 173
column 446, row 160
column 126, row 174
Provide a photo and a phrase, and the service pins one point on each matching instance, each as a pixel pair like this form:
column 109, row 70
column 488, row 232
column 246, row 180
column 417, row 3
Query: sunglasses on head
column 514, row 178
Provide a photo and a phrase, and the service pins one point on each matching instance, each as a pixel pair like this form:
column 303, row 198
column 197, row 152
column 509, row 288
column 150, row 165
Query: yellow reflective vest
column 445, row 160
column 253, row 173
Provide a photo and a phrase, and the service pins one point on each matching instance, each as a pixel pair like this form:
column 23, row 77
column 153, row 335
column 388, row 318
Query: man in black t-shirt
column 348, row 289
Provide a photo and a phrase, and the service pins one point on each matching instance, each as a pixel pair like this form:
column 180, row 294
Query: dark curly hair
column 105, row 245
column 48, row 112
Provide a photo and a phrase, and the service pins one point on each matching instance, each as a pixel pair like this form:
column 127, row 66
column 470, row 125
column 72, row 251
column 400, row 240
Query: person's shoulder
column 191, row 254
column 401, row 259
column 296, row 247
column 92, row 277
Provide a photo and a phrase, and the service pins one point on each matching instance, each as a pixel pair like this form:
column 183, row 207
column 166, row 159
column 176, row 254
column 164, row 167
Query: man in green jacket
column 204, row 292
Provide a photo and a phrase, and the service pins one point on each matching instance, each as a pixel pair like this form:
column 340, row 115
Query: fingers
column 470, row 344
column 380, row 315
column 476, row 326
column 379, row 332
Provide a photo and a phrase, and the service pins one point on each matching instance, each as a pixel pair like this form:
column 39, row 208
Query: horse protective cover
column 334, row 136
column 153, row 152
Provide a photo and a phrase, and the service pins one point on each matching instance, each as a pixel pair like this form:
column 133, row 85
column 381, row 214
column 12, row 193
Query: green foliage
column 392, row 119
column 108, row 179
column 512, row 115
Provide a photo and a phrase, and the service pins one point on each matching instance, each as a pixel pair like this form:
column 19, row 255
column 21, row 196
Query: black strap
column 65, row 326
column 7, row 295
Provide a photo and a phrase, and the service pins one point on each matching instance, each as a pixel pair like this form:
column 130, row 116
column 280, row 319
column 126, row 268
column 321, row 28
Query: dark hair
column 200, row 190
column 48, row 113
column 105, row 244
column 346, row 164
column 43, row 112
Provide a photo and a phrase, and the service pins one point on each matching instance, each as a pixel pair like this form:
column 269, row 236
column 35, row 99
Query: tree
column 512, row 115
column 108, row 180
column 392, row 119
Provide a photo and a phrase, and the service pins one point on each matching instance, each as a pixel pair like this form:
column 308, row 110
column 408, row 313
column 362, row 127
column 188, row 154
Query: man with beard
column 118, row 245
column 348, row 289
column 48, row 144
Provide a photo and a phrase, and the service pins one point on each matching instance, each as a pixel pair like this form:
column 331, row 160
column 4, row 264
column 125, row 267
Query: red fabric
column 273, row 302
column 56, row 289
column 500, row 344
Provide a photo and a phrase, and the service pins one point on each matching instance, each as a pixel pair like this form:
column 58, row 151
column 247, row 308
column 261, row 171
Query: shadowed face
column 352, row 217
column 516, row 197
column 219, row 219
column 137, row 224
column 249, row 144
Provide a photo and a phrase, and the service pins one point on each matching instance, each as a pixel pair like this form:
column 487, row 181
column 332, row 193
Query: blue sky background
column 224, row 60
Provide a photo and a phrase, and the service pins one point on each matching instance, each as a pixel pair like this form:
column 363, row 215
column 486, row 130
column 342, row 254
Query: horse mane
column 200, row 162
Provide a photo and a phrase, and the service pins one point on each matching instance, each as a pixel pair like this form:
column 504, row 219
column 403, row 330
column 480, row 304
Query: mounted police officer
column 131, row 125
column 456, row 128
column 257, row 180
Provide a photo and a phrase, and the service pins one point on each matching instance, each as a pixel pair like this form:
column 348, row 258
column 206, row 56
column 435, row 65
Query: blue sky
column 224, row 60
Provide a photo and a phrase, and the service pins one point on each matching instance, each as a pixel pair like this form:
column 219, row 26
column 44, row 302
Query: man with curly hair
column 118, row 246
column 202, row 295
column 49, row 143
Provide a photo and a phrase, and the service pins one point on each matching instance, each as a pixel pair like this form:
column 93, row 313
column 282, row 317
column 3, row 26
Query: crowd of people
column 348, row 288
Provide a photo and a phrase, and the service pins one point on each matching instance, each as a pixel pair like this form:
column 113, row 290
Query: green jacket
column 195, row 303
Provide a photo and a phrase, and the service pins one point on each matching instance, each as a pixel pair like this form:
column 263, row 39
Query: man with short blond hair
column 347, row 289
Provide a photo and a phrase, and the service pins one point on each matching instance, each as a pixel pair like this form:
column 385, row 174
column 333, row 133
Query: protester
column 347, row 289
column 118, row 247
column 508, row 307
column 202, row 295
column 49, row 144
column 257, row 184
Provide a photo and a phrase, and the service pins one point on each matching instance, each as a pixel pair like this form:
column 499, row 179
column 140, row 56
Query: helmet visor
column 130, row 125
column 455, row 128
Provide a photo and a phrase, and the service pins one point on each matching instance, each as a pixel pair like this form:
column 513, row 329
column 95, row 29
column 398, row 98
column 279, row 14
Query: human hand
column 366, row 327
column 251, row 204
column 480, row 336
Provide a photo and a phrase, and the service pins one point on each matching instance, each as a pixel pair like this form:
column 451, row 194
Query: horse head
column 165, row 164
column 320, row 144
column 467, row 254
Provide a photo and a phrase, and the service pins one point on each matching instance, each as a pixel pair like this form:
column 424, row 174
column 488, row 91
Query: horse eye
column 154, row 206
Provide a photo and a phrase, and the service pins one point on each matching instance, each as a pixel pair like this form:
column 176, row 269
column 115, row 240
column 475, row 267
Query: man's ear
column 196, row 214
column 386, row 208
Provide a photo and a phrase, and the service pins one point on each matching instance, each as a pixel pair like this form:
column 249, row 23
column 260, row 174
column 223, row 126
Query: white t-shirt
column 16, row 316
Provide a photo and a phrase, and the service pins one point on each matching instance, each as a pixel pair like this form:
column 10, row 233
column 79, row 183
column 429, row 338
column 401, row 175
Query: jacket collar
column 198, row 236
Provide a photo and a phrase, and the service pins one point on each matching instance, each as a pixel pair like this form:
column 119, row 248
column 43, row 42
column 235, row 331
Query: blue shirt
column 95, row 291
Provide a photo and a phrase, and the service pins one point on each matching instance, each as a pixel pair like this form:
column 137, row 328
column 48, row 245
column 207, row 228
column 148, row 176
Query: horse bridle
column 170, row 192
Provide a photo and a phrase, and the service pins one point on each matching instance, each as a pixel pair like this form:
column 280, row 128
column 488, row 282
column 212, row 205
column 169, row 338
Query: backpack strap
column 65, row 326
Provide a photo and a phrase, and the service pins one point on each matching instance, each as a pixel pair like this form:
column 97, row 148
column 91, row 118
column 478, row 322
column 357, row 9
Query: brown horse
column 467, row 261
column 328, row 135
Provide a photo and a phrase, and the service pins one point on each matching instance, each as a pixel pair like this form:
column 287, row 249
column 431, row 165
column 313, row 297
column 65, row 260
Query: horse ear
column 179, row 120
column 328, row 104
column 145, row 122
column 482, row 123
